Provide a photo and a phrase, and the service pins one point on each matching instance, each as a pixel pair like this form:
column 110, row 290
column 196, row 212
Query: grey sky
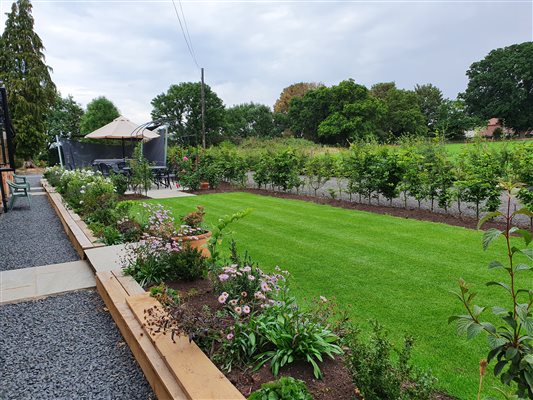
column 130, row 51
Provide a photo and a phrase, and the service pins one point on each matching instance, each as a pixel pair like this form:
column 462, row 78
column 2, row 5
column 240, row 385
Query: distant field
column 456, row 148
column 398, row 271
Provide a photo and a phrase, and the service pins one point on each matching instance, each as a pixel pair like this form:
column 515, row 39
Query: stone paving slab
column 108, row 258
column 27, row 283
column 167, row 193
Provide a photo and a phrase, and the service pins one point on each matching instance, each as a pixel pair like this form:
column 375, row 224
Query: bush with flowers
column 158, row 257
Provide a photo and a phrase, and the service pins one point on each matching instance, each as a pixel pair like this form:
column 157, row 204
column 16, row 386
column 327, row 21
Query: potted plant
column 193, row 233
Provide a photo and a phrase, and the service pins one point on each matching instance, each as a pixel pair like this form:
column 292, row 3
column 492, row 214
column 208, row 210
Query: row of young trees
column 420, row 170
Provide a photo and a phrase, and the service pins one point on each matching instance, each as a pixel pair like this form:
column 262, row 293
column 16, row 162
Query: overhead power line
column 187, row 41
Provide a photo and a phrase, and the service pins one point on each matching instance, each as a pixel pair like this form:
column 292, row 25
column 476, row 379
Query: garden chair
column 20, row 180
column 18, row 190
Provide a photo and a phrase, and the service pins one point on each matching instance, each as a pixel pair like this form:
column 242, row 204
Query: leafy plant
column 185, row 265
column 293, row 335
column 511, row 344
column 217, row 232
column 111, row 236
column 120, row 182
column 194, row 219
column 285, row 388
column 376, row 374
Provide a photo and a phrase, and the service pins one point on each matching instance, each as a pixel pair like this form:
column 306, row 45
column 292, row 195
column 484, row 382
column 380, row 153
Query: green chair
column 18, row 190
column 21, row 180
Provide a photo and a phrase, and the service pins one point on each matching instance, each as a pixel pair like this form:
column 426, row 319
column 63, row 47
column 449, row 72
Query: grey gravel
column 29, row 238
column 66, row 347
column 467, row 209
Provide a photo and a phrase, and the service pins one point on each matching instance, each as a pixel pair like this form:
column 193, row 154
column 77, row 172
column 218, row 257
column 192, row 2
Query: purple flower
column 223, row 277
column 246, row 309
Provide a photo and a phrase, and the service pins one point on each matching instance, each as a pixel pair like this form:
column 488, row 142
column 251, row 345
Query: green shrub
column 186, row 265
column 285, row 388
column 111, row 236
column 120, row 182
column 376, row 374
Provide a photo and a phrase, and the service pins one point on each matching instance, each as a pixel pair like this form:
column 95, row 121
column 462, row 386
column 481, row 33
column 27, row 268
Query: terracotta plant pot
column 196, row 242
column 204, row 185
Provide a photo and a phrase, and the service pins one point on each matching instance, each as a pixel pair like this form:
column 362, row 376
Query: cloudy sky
column 130, row 51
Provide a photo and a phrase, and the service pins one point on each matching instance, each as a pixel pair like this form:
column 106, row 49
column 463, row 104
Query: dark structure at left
column 7, row 150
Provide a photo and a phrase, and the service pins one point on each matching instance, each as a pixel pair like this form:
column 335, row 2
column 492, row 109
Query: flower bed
column 252, row 328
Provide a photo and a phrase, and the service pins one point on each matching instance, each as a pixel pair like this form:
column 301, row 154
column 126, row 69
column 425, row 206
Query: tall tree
column 64, row 118
column 29, row 86
column 100, row 112
column 181, row 105
column 403, row 114
column 292, row 91
column 248, row 120
column 453, row 120
column 501, row 86
column 430, row 99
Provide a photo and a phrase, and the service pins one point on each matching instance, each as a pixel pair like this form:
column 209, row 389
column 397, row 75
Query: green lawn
column 395, row 270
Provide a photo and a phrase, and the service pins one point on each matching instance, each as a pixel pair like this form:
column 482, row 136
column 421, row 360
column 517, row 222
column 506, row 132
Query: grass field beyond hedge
column 397, row 271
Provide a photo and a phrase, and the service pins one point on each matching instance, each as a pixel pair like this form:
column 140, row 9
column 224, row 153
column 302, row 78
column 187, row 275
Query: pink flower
column 223, row 277
column 265, row 287
column 244, row 294
column 251, row 277
column 259, row 296
column 233, row 302
column 185, row 158
column 223, row 297
column 238, row 310
column 246, row 310
column 229, row 336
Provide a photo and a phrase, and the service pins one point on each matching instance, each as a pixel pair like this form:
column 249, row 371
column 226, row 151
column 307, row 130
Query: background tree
column 501, row 86
column 64, row 118
column 250, row 120
column 181, row 105
column 30, row 89
column 294, row 90
column 430, row 100
column 100, row 112
column 403, row 114
column 453, row 120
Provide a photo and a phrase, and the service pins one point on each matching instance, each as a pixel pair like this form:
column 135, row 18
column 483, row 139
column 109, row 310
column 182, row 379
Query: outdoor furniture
column 104, row 169
column 18, row 190
column 19, row 179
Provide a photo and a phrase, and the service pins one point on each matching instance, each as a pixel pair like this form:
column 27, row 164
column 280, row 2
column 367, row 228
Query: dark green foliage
column 501, row 86
column 120, row 182
column 100, row 112
column 249, row 120
column 453, row 120
column 284, row 170
column 181, row 104
column 64, row 118
column 430, row 100
column 111, row 236
column 403, row 114
column 30, row 90
column 376, row 373
column 285, row 388
column 186, row 265
column 141, row 174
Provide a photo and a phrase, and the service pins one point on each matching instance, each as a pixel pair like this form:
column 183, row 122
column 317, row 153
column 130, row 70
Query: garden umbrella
column 122, row 128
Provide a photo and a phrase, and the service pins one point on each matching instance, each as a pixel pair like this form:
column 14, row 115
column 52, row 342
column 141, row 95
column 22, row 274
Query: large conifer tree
column 30, row 89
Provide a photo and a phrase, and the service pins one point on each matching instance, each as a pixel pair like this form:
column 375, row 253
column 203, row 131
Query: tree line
column 500, row 85
column 367, row 172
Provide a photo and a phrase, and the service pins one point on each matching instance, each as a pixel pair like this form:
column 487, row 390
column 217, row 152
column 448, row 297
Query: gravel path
column 66, row 347
column 467, row 209
column 30, row 238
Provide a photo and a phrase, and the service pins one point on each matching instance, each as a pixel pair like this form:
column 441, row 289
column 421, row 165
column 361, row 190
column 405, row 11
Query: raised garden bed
column 79, row 234
column 174, row 370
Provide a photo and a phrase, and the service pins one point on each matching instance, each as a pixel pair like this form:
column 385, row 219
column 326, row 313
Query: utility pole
column 203, row 110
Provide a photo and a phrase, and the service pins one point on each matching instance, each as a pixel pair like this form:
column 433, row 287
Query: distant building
column 492, row 126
